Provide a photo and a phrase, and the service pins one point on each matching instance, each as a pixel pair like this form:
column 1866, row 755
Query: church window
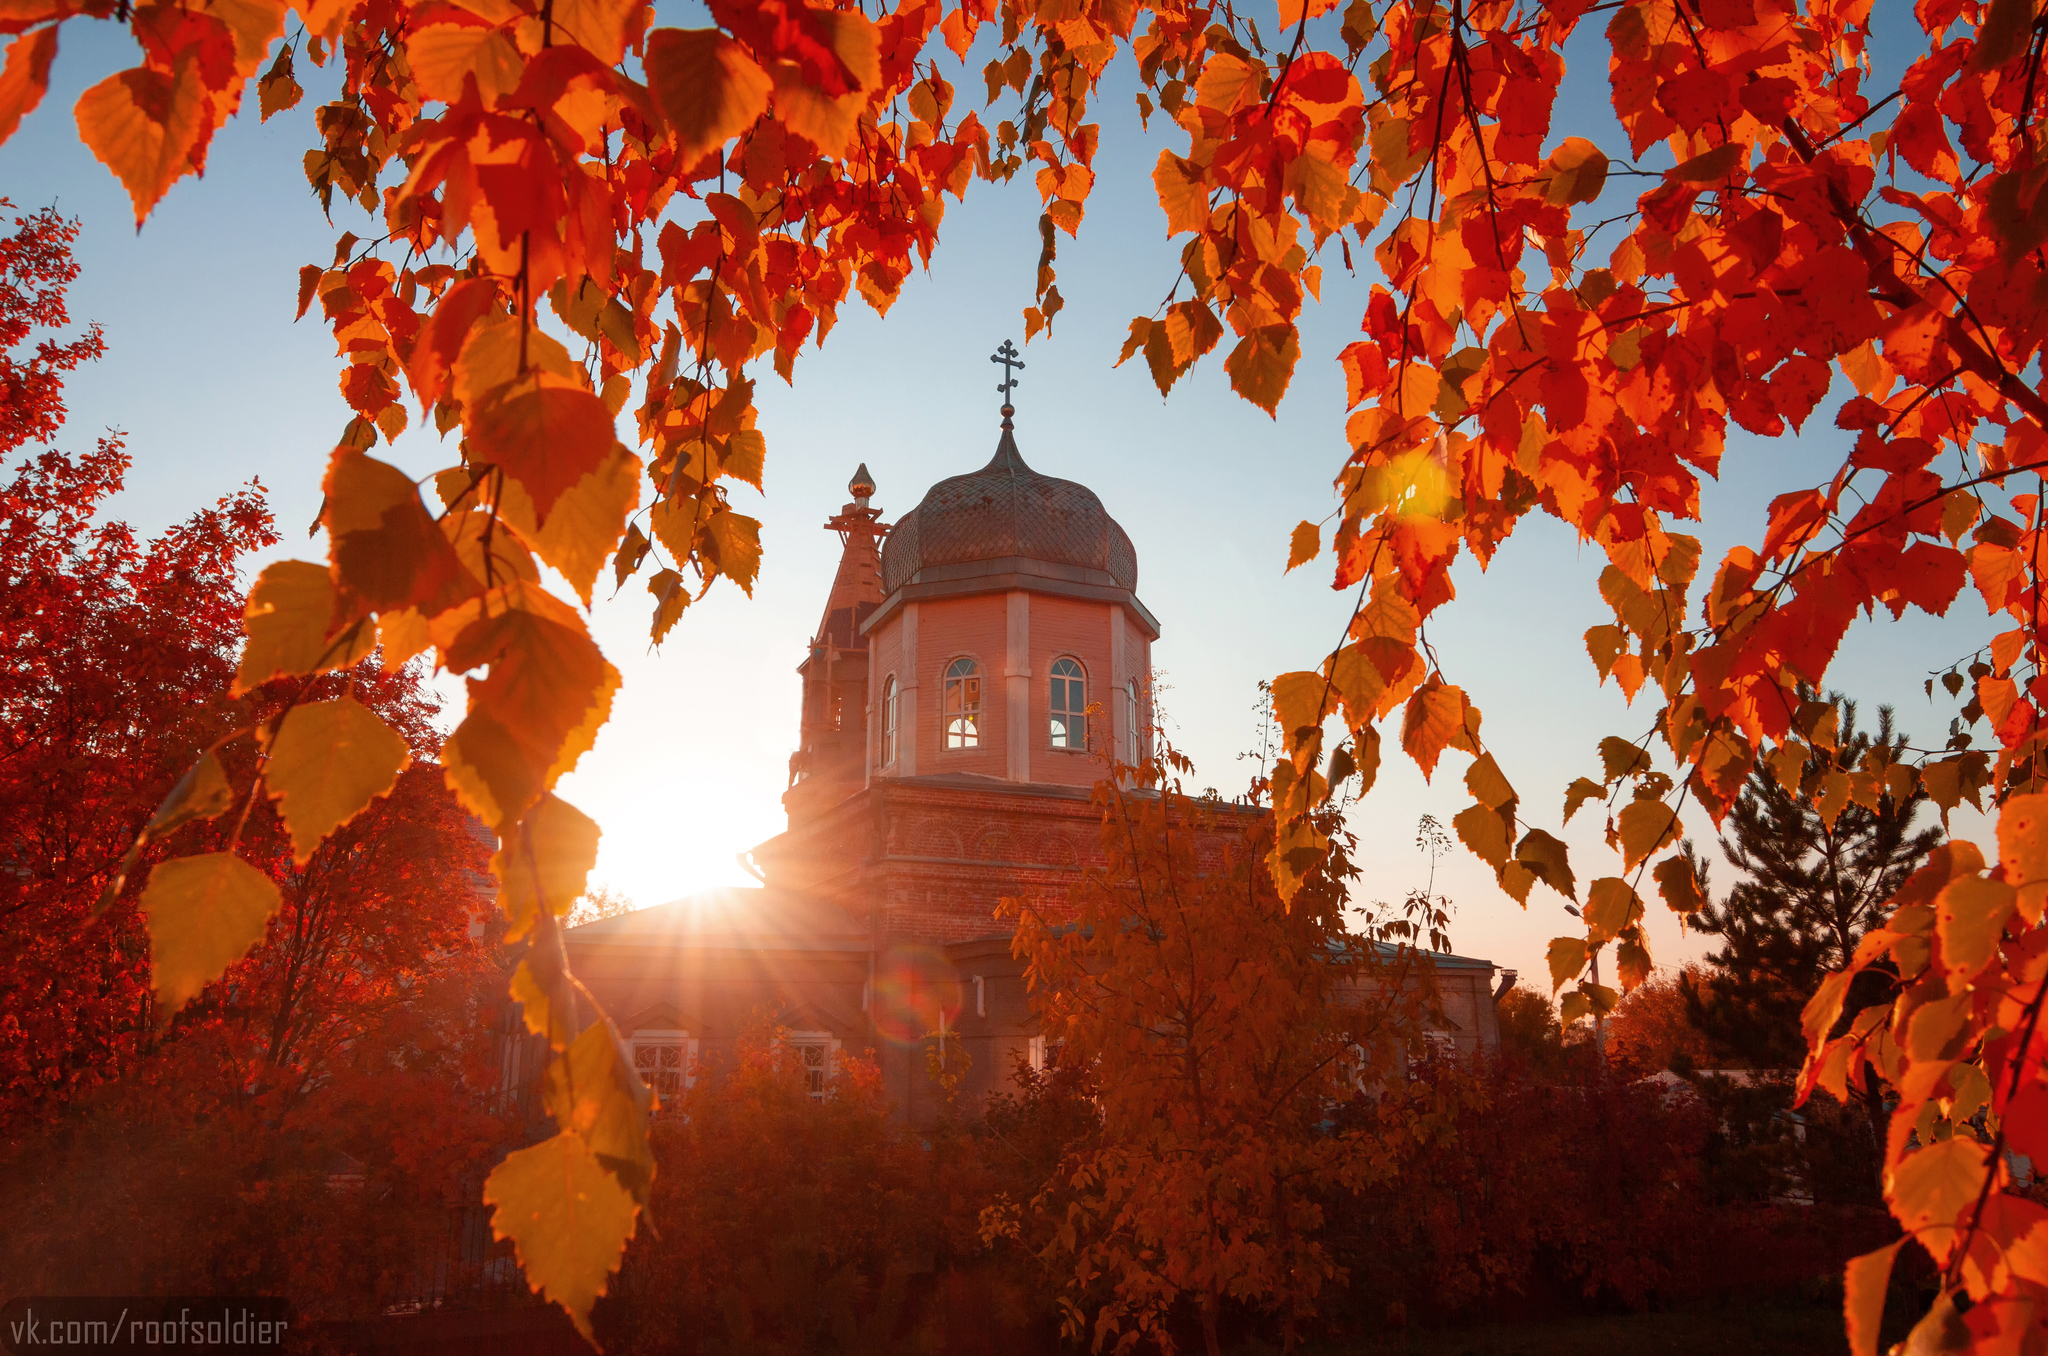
column 963, row 704
column 813, row 1051
column 662, row 1059
column 1069, row 705
column 1130, row 697
column 889, row 721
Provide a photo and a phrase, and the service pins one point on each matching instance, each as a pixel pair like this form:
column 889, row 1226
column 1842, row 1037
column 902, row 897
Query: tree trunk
column 1212, row 1303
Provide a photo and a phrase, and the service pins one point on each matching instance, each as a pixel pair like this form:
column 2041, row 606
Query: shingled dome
column 1007, row 511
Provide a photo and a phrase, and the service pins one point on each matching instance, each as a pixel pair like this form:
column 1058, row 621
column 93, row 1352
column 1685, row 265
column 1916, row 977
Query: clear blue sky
column 214, row 384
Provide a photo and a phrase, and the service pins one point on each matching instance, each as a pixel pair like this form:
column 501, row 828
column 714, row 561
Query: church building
column 973, row 661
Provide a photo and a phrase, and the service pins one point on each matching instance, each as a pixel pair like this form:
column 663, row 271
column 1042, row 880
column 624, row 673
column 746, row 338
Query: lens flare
column 916, row 988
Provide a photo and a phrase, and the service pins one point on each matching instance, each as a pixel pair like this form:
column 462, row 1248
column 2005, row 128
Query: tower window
column 1069, row 705
column 1131, row 721
column 963, row 705
column 889, row 721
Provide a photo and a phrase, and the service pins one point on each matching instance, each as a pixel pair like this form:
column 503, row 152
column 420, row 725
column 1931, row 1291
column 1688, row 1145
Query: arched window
column 889, row 721
column 1069, row 706
column 963, row 705
column 1131, row 749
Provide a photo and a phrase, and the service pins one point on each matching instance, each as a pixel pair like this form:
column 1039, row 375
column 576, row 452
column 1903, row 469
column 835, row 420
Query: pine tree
column 1813, row 882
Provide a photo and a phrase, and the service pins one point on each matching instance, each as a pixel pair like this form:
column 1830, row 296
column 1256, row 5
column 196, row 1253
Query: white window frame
column 819, row 1075
column 891, row 694
column 1062, row 715
column 1130, row 698
column 967, row 715
column 654, row 1040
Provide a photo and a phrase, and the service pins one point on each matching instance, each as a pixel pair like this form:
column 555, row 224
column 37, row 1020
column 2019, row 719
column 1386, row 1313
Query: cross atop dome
column 1008, row 356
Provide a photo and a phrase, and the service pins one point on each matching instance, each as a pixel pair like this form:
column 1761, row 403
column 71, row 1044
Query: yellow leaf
column 1679, row 886
column 603, row 27
column 1300, row 702
column 1578, row 172
column 1305, row 546
column 201, row 793
column 1611, row 907
column 586, row 523
column 538, row 1003
column 328, row 762
column 733, row 542
column 1934, row 1186
column 149, row 127
column 287, row 619
column 706, row 85
column 1480, row 828
column 593, row 1091
column 1484, row 780
column 1822, row 1010
column 204, row 913
column 1619, row 758
column 548, row 857
column 1365, row 757
column 1182, row 193
column 567, row 1217
column 1547, row 859
column 1970, row 917
column 670, row 598
column 2023, row 851
column 385, row 548
column 1567, row 956
column 548, row 688
column 444, row 56
column 1578, row 793
column 1632, row 958
column 1438, row 717
column 1646, row 826
column 1262, row 364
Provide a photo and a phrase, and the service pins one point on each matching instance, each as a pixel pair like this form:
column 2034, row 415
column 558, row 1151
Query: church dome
column 1007, row 511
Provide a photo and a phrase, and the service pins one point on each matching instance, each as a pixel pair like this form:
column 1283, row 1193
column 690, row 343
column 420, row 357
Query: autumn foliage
column 1554, row 328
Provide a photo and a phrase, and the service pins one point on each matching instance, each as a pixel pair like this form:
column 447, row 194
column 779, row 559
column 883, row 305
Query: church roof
column 1006, row 511
column 735, row 918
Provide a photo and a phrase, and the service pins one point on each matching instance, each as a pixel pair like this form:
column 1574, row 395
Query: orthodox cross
column 1007, row 355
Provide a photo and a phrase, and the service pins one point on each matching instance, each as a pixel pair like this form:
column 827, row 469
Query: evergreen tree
column 1811, row 886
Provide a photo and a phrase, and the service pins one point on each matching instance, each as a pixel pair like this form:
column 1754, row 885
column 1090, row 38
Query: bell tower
column 830, row 761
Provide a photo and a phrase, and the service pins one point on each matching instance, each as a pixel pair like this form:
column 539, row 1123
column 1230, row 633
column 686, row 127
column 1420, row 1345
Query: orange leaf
column 1182, row 193
column 383, row 544
column 26, row 78
column 1864, row 1283
column 546, row 437
column 149, row 127
column 1262, row 364
column 706, row 85
column 1438, row 717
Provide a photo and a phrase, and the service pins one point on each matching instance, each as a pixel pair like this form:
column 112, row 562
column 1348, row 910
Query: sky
column 214, row 384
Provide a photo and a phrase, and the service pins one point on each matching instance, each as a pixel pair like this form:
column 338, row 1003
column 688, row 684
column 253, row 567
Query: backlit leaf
column 1262, row 364
column 586, row 522
column 201, row 793
column 26, row 77
column 1611, row 907
column 1971, row 915
column 149, row 127
column 328, row 762
column 1679, row 886
column 288, row 617
column 2023, row 851
column 1481, row 828
column 1578, row 793
column 568, row 1218
column 204, row 913
column 1934, row 1185
column 706, row 85
column 547, row 683
column 1306, row 544
column 547, row 856
column 1549, row 860
column 1567, row 956
column 547, row 438
column 386, row 548
column 1437, row 718
column 1645, row 826
column 593, row 1091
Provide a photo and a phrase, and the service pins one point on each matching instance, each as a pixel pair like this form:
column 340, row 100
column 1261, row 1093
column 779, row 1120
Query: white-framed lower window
column 814, row 1051
column 1044, row 1055
column 664, row 1060
column 889, row 708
